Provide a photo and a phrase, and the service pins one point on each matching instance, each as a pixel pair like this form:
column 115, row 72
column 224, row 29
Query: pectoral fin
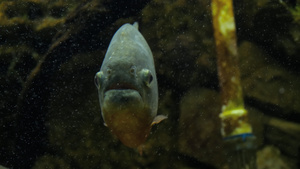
column 158, row 119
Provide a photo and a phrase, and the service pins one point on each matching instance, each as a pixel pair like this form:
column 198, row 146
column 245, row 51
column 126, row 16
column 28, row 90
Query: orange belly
column 131, row 126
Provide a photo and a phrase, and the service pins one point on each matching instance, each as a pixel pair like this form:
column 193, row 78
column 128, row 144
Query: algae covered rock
column 180, row 36
column 276, row 29
column 23, row 42
column 269, row 157
column 199, row 126
column 266, row 83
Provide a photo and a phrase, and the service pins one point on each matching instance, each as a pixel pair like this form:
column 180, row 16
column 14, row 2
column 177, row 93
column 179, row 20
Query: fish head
column 124, row 83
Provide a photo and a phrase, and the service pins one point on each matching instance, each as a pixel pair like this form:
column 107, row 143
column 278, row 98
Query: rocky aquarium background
column 50, row 51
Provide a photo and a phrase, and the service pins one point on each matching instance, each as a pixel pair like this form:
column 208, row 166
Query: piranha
column 127, row 87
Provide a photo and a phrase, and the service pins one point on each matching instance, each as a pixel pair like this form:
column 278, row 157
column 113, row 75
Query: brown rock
column 269, row 157
column 267, row 83
column 199, row 126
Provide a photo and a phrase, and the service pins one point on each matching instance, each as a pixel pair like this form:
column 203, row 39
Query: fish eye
column 147, row 76
column 150, row 78
column 97, row 79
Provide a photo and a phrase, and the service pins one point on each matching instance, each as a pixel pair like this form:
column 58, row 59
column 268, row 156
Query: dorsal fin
column 136, row 25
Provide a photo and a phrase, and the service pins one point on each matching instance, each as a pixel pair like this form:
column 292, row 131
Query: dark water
column 50, row 51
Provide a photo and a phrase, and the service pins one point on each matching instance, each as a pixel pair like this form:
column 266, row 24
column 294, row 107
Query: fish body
column 127, row 87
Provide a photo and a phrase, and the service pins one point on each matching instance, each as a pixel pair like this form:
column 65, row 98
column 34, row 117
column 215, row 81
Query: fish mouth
column 121, row 86
column 121, row 95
